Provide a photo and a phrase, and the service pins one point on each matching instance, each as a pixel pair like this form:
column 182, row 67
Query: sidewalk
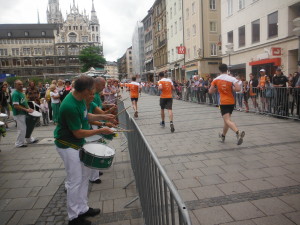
column 222, row 183
column 32, row 190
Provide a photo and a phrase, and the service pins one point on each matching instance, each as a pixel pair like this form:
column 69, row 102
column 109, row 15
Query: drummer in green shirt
column 20, row 109
column 69, row 135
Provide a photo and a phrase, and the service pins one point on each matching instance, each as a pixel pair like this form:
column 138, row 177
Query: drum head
column 3, row 115
column 92, row 138
column 35, row 114
column 99, row 149
column 1, row 123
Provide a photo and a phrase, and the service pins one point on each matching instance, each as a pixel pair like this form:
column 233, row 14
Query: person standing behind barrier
column 55, row 101
column 240, row 94
column 281, row 100
column 261, row 89
column 269, row 95
column 226, row 85
column 20, row 109
column 246, row 95
column 134, row 89
column 165, row 85
column 297, row 90
column 69, row 138
column 252, row 85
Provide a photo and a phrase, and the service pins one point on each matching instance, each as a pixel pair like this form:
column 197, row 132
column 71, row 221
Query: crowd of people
column 263, row 93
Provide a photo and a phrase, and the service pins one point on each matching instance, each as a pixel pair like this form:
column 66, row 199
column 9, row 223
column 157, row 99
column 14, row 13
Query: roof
column 34, row 30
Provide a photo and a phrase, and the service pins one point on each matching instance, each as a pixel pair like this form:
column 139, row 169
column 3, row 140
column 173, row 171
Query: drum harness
column 76, row 147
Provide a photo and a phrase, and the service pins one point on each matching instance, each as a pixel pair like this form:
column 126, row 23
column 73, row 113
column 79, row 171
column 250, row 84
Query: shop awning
column 276, row 61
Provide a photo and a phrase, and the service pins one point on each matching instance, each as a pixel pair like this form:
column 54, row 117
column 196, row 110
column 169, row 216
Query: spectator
column 109, row 93
column 54, row 102
column 261, row 88
column 3, row 101
column 42, row 90
column 240, row 94
column 246, row 95
column 44, row 110
column 33, row 95
column 66, row 90
column 253, row 83
column 269, row 95
column 281, row 100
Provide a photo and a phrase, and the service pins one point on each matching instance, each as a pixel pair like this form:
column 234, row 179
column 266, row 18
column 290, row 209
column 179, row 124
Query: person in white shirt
column 55, row 102
column 240, row 94
column 44, row 110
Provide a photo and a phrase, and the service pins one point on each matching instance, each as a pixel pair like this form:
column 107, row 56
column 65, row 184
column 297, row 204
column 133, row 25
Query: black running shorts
column 166, row 103
column 134, row 99
column 226, row 109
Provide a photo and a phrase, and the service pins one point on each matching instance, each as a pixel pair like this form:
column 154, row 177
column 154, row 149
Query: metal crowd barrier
column 160, row 201
column 281, row 102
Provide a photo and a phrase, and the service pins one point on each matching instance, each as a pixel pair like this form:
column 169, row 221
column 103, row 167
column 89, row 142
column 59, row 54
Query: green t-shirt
column 97, row 100
column 72, row 116
column 86, row 125
column 19, row 99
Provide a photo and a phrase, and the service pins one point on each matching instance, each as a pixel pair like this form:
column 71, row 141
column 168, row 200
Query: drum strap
column 68, row 144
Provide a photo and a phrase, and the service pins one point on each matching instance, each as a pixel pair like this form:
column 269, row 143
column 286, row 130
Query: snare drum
column 110, row 136
column 31, row 120
column 94, row 138
column 97, row 156
column 3, row 117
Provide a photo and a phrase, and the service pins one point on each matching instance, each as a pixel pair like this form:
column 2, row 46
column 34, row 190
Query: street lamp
column 229, row 51
column 296, row 31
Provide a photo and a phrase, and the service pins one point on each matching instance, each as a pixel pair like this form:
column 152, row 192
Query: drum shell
column 30, row 124
column 94, row 161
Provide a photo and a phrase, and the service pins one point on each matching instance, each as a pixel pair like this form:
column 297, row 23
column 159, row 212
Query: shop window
column 230, row 37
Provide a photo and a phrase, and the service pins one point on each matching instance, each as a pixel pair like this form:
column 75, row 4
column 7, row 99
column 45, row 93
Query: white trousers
column 77, row 182
column 94, row 175
column 21, row 127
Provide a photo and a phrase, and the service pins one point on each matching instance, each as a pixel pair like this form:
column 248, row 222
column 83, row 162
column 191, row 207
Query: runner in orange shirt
column 166, row 86
column 134, row 88
column 226, row 85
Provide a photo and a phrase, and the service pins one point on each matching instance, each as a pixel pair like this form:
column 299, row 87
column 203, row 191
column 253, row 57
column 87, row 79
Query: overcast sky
column 117, row 18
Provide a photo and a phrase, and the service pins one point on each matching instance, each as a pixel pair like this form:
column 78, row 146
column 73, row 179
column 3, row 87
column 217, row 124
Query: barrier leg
column 132, row 201
column 124, row 149
column 128, row 184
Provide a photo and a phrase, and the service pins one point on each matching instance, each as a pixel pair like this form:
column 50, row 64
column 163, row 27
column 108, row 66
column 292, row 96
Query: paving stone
column 193, row 165
column 232, row 177
column 37, row 182
column 16, row 217
column 14, row 183
column 186, row 183
column 112, row 194
column 48, row 190
column 253, row 165
column 33, row 175
column 213, row 162
column 18, row 193
column 244, row 222
column 211, row 170
column 276, row 171
column 42, row 202
column 292, row 201
column 187, row 194
column 207, row 192
column 273, row 220
column 281, row 181
column 243, row 211
column 210, row 180
column 294, row 216
column 272, row 206
column 257, row 184
column 31, row 216
column 212, row 215
column 233, row 168
column 108, row 206
column 21, row 203
column 5, row 217
column 191, row 173
column 233, row 188
column 255, row 173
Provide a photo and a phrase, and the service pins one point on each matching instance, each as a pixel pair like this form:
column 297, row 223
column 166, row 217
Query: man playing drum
column 134, row 88
column 166, row 100
column 20, row 109
column 69, row 136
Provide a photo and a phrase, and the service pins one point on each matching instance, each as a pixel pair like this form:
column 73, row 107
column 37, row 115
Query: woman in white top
column 240, row 94
column 55, row 102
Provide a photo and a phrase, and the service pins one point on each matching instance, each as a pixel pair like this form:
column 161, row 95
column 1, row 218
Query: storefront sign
column 181, row 50
column 276, row 51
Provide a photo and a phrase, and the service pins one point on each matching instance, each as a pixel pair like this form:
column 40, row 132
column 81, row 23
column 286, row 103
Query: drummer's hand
column 29, row 110
column 110, row 124
column 112, row 109
column 105, row 130
column 109, row 117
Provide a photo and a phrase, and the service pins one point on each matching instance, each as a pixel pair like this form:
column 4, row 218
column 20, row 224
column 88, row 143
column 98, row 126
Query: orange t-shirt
column 167, row 87
column 262, row 81
column 134, row 89
column 224, row 84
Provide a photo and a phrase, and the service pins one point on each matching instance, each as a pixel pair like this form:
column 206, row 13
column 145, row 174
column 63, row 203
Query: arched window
column 72, row 37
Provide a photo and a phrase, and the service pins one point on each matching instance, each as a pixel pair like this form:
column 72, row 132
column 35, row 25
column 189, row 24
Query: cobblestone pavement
column 257, row 183
column 32, row 190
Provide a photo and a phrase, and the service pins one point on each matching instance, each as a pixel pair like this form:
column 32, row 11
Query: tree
column 90, row 57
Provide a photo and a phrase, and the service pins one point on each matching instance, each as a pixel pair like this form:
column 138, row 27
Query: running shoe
column 172, row 127
column 162, row 124
column 240, row 137
column 222, row 137
column 136, row 114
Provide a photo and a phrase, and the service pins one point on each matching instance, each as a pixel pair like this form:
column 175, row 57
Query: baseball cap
column 278, row 69
column 262, row 70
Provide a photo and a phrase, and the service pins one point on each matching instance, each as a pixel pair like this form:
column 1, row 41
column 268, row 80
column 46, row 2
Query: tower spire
column 94, row 18
column 93, row 6
column 38, row 14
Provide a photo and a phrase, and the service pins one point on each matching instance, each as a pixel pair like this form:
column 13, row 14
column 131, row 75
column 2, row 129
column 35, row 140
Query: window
column 72, row 37
column 230, row 37
column 189, row 53
column 15, row 51
column 193, row 8
column 74, row 50
column 63, row 39
column 273, row 24
column 213, row 26
column 61, row 50
column 85, row 38
column 4, row 62
column 229, row 7
column 80, row 27
column 49, row 61
column 187, row 13
column 38, row 61
column 171, row 13
column 16, row 62
column 242, row 36
column 61, row 60
column 212, row 4
column 37, row 51
column 26, row 33
column 27, row 62
column 9, row 34
column 180, row 23
column 43, row 33
column 70, row 27
column 213, row 49
column 172, row 31
column 26, row 51
column 49, row 51
column 97, row 29
column 241, row 4
column 194, row 30
column 3, row 52
column 93, row 28
column 255, row 31
column 175, row 27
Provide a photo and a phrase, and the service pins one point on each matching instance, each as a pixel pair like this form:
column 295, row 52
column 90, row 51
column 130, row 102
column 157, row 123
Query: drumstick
column 123, row 110
column 123, row 130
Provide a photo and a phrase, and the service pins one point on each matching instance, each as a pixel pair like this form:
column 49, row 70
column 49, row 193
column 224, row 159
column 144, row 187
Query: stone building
column 53, row 48
column 111, row 69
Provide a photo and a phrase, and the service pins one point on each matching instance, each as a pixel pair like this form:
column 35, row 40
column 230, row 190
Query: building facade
column 148, row 74
column 175, row 38
column 202, row 29
column 129, row 64
column 264, row 39
column 111, row 69
column 138, row 50
column 45, row 49
column 160, row 36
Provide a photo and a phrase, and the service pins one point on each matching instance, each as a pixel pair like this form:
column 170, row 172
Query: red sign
column 276, row 51
column 181, row 50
